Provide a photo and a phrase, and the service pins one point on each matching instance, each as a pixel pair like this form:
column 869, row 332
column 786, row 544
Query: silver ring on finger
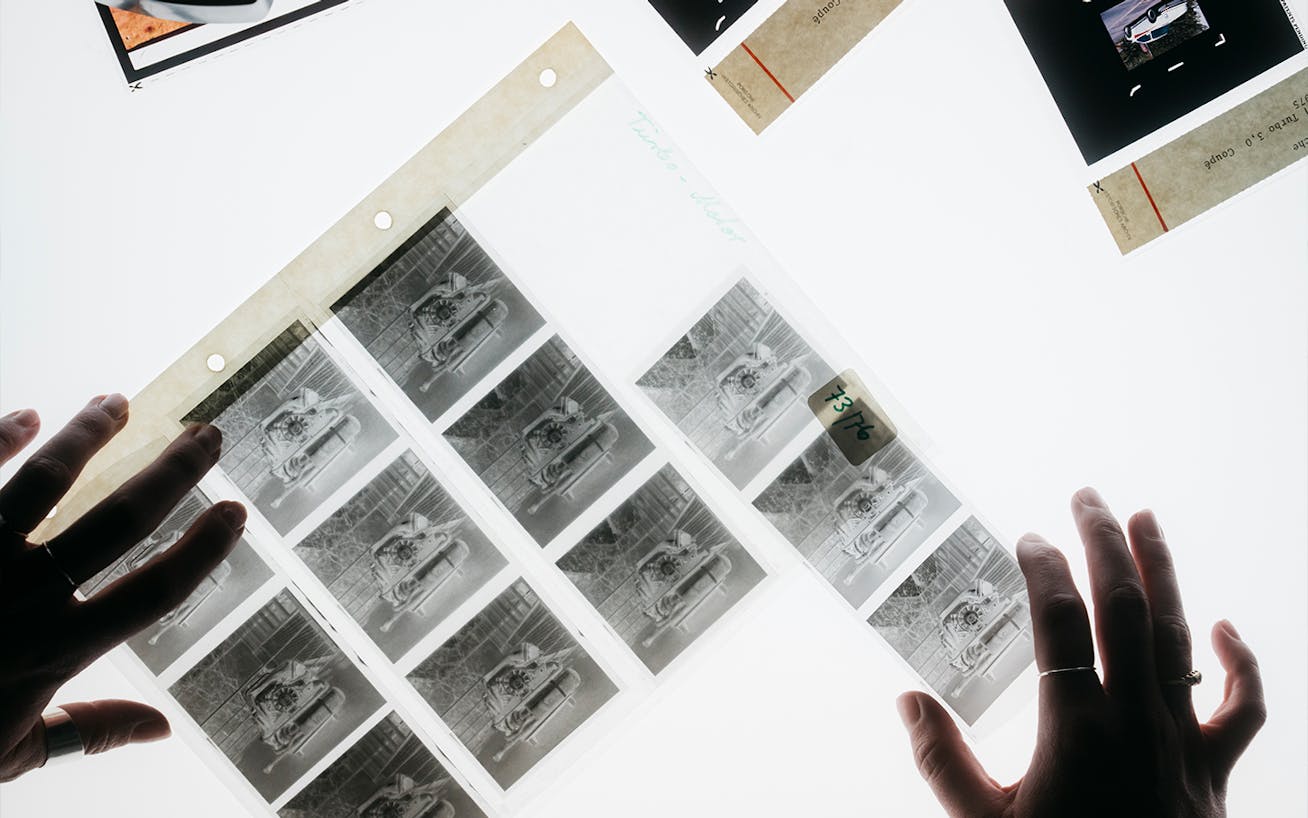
column 62, row 738
column 1190, row 679
column 59, row 569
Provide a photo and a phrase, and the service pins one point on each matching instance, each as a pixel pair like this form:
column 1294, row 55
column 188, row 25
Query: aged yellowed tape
column 856, row 423
column 444, row 173
column 790, row 52
column 1207, row 166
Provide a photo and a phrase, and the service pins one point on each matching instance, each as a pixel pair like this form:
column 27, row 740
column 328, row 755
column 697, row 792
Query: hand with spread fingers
column 50, row 636
column 1129, row 745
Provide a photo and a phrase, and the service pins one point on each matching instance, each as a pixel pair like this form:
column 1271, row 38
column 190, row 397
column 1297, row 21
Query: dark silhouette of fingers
column 135, row 601
column 1122, row 623
column 945, row 761
column 48, row 474
column 1243, row 710
column 1173, row 653
column 1060, row 625
column 17, row 430
column 135, row 510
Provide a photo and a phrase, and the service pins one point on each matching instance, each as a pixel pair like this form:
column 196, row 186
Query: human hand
column 48, row 636
column 1130, row 746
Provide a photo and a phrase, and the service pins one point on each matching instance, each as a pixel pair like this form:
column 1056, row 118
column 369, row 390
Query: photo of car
column 1155, row 23
column 1143, row 30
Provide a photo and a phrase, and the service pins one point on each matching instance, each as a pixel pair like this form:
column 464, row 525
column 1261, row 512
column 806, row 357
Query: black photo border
column 1093, row 87
column 134, row 75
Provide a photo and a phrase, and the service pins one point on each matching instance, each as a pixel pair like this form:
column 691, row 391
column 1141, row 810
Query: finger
column 955, row 776
column 1243, row 710
column 17, row 430
column 1172, row 644
column 1121, row 606
column 102, row 725
column 136, row 509
column 1059, row 623
column 139, row 599
column 47, row 475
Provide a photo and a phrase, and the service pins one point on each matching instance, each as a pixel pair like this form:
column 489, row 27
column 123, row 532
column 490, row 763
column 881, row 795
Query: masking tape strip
column 790, row 52
column 855, row 422
column 1207, row 166
column 448, row 170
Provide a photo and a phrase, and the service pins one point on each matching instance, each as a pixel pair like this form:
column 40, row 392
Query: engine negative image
column 295, row 428
column 661, row 569
column 512, row 684
column 548, row 440
column 400, row 555
column 737, row 383
column 856, row 524
column 438, row 315
column 386, row 774
column 277, row 696
column 962, row 620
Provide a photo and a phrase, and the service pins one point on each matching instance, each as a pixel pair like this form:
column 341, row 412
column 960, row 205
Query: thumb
column 102, row 725
column 945, row 761
column 111, row 723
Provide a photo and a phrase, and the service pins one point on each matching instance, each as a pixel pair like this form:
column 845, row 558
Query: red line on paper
column 1149, row 196
column 771, row 76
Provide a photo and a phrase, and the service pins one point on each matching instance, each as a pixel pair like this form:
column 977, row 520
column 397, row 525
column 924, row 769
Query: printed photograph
column 387, row 774
column 295, row 428
column 400, row 555
column 962, row 621
column 277, row 696
column 661, row 569
column 1144, row 29
column 737, row 384
column 512, row 684
column 230, row 584
column 438, row 315
column 856, row 524
column 549, row 440
column 147, row 46
column 700, row 22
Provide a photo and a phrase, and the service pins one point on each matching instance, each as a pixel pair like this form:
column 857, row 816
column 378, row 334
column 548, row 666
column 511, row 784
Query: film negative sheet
column 490, row 514
column 699, row 23
column 147, row 47
column 1121, row 69
column 961, row 620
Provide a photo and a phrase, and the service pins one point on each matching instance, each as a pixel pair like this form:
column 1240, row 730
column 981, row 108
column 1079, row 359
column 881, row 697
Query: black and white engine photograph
column 277, row 696
column 661, row 569
column 548, row 440
column 217, row 595
column 400, row 555
column 295, row 428
column 388, row 773
column 856, row 524
column 438, row 315
column 737, row 383
column 512, row 684
column 962, row 621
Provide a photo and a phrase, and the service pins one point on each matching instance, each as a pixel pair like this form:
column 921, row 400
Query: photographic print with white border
column 856, row 524
column 277, row 695
column 388, row 773
column 548, row 440
column 400, row 555
column 661, row 569
column 512, row 684
column 438, row 315
column 218, row 595
column 295, row 427
column 962, row 621
column 737, row 383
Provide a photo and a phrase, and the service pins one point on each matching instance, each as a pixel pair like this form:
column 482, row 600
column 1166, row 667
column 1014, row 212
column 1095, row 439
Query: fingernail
column 910, row 711
column 1230, row 630
column 27, row 418
column 1151, row 521
column 115, row 405
column 1031, row 539
column 234, row 515
column 210, row 438
column 155, row 728
column 1090, row 498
